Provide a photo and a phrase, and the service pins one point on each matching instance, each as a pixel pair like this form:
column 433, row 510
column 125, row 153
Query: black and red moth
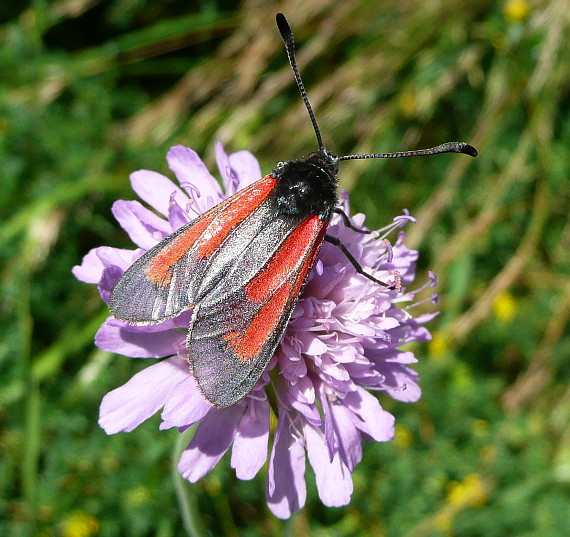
column 241, row 266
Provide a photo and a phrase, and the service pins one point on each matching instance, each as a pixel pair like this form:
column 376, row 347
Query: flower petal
column 246, row 167
column 334, row 480
column 286, row 490
column 109, row 278
column 127, row 407
column 156, row 190
column 404, row 260
column 143, row 226
column 400, row 382
column 212, row 439
column 115, row 336
column 229, row 177
column 193, row 175
column 118, row 256
column 301, row 397
column 186, row 405
column 97, row 259
column 340, row 432
column 249, row 452
column 90, row 269
column 369, row 416
column 177, row 215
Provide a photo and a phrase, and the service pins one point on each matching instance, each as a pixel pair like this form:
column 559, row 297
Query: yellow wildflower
column 516, row 10
column 79, row 524
column 505, row 307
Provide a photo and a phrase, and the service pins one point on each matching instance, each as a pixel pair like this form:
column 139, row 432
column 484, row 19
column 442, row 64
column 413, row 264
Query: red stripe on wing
column 249, row 344
column 278, row 286
column 209, row 230
column 159, row 271
column 285, row 260
column 233, row 214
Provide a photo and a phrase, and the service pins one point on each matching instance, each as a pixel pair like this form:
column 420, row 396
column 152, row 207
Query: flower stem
column 186, row 497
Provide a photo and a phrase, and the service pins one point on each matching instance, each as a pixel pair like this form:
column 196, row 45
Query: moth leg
column 346, row 221
column 357, row 267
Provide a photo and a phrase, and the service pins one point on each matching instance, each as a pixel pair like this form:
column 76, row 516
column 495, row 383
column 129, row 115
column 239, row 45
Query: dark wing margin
column 167, row 279
column 233, row 336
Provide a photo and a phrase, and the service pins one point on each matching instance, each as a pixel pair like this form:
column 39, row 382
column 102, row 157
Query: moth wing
column 169, row 278
column 233, row 335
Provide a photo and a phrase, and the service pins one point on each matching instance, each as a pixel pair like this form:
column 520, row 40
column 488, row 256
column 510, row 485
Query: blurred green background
column 92, row 90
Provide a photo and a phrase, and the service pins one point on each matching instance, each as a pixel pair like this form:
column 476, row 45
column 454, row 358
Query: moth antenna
column 287, row 36
column 449, row 147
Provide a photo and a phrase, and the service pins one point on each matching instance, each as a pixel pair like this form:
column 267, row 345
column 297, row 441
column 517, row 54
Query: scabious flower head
column 343, row 341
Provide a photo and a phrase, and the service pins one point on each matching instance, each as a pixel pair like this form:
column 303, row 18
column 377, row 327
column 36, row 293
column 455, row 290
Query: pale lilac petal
column 177, row 215
column 400, row 382
column 211, row 440
column 191, row 172
column 229, row 178
column 156, row 190
column 109, row 278
column 118, row 256
column 369, row 416
column 420, row 335
column 410, row 332
column 249, row 452
column 341, row 434
column 286, row 490
column 305, row 389
column 186, row 405
column 114, row 337
column 334, row 480
column 302, row 399
column 90, row 269
column 165, row 425
column 426, row 317
column 291, row 363
column 400, row 357
column 127, row 407
column 293, row 369
column 95, row 261
column 143, row 226
column 246, row 167
column 313, row 345
column 404, row 261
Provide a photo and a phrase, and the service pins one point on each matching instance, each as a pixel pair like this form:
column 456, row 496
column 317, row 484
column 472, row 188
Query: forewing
column 234, row 333
column 173, row 275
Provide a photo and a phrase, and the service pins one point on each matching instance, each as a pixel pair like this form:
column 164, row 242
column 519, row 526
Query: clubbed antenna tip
column 283, row 26
column 467, row 149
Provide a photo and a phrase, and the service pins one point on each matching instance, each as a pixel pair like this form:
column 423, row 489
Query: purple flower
column 342, row 342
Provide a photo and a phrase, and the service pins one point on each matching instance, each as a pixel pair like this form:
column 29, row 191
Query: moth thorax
column 306, row 187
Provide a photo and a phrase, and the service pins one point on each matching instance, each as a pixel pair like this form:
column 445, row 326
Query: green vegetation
column 92, row 90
